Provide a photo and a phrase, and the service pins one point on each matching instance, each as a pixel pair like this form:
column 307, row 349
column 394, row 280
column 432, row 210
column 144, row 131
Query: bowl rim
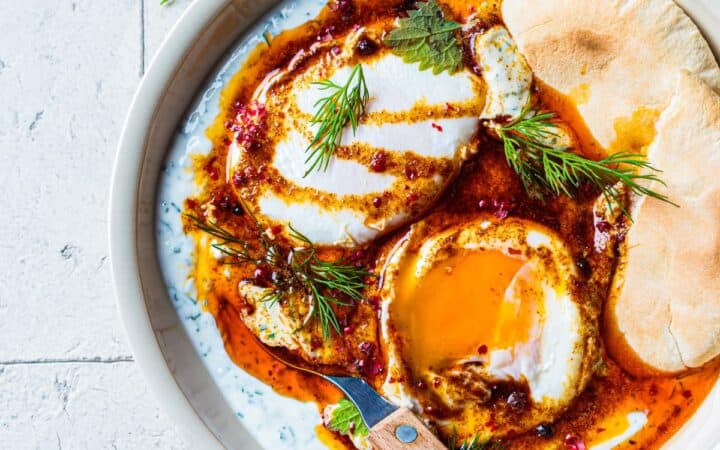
column 122, row 225
column 124, row 204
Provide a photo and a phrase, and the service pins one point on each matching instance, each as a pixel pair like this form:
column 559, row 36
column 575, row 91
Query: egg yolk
column 461, row 308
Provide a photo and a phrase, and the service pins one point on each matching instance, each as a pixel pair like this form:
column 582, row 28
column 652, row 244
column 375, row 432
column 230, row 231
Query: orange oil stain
column 580, row 94
column 566, row 107
column 635, row 133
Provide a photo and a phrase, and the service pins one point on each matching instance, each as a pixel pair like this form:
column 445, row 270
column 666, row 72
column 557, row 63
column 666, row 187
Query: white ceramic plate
column 193, row 391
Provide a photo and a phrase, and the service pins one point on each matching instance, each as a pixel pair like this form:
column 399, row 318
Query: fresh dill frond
column 324, row 280
column 532, row 151
column 342, row 105
column 474, row 444
column 237, row 249
column 323, row 284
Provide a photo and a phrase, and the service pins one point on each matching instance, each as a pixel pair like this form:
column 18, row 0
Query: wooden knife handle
column 402, row 430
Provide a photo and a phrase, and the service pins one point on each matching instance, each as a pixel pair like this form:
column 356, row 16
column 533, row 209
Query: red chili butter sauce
column 486, row 185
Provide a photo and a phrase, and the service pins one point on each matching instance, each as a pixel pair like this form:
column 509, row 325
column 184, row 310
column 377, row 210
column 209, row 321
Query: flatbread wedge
column 665, row 301
column 618, row 59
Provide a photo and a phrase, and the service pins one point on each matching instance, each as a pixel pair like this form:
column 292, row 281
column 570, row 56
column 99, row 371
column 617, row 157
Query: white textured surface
column 68, row 70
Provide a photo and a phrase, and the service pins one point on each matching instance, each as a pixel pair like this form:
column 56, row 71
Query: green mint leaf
column 345, row 416
column 426, row 37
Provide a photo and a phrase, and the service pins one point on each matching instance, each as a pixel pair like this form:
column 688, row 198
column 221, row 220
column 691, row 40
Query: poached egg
column 483, row 305
column 416, row 132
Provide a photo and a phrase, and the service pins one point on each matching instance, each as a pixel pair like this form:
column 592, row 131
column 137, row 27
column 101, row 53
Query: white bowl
column 160, row 344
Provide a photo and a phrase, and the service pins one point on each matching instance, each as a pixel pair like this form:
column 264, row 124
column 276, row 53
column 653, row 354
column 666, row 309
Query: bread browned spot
column 609, row 47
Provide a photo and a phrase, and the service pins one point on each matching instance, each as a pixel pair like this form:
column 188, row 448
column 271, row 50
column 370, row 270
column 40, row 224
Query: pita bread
column 665, row 301
column 618, row 59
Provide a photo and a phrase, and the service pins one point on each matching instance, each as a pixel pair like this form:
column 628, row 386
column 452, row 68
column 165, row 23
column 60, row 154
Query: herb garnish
column 474, row 444
column 544, row 167
column 346, row 419
column 295, row 271
column 343, row 104
column 428, row 38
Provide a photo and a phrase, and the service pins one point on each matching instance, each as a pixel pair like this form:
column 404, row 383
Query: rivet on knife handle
column 402, row 430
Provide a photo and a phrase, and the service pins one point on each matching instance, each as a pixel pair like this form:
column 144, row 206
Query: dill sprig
column 474, row 444
column 228, row 244
column 297, row 270
column 531, row 150
column 343, row 104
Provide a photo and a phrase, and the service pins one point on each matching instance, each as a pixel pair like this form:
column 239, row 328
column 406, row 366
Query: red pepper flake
column 374, row 367
column 343, row 6
column 421, row 385
column 502, row 209
column 221, row 201
column 410, row 172
column 348, row 330
column 211, row 169
column 687, row 394
column 499, row 208
column 276, row 229
column 358, row 255
column 603, row 226
column 367, row 347
column 451, row 107
column 412, row 198
column 483, row 349
column 374, row 301
column 326, row 34
column 437, row 126
column 377, row 202
column 653, row 390
column 261, row 175
column 573, row 442
column 239, row 179
column 437, row 381
column 250, row 124
column 514, row 251
column 378, row 163
column 261, row 274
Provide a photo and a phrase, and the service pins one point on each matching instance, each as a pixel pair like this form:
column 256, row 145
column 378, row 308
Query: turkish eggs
column 480, row 308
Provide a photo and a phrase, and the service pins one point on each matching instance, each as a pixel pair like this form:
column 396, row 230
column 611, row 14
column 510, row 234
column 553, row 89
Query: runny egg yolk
column 463, row 307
